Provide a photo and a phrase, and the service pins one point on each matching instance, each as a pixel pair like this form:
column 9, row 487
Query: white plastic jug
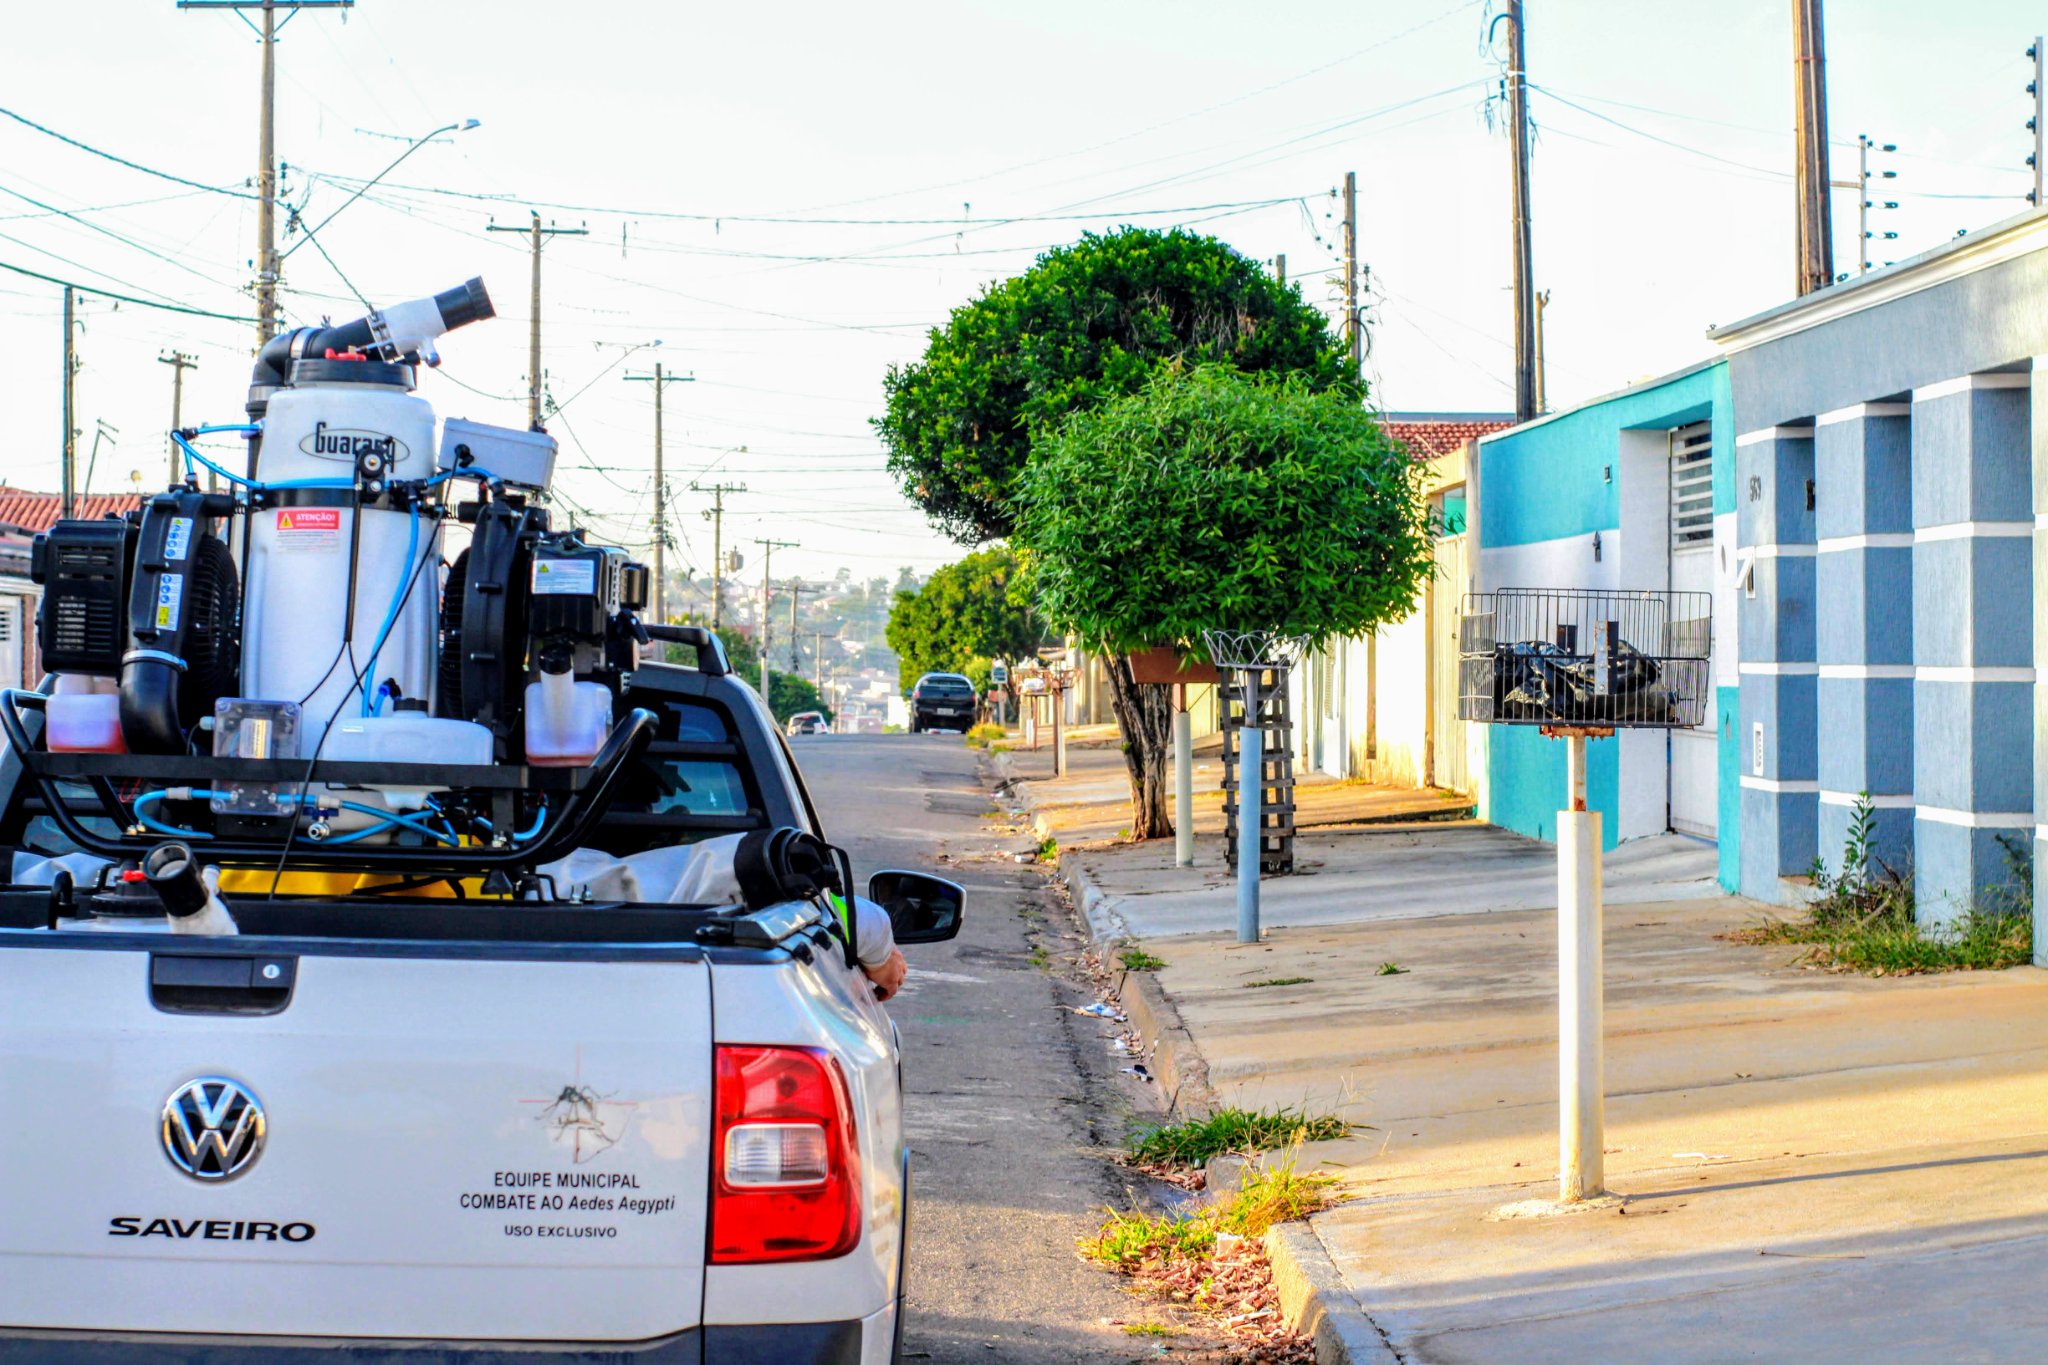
column 83, row 716
column 567, row 722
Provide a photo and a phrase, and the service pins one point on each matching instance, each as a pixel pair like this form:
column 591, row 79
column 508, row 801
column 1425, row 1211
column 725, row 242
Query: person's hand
column 888, row 977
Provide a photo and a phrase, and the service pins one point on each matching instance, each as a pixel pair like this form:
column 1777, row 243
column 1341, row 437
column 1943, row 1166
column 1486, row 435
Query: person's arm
column 874, row 942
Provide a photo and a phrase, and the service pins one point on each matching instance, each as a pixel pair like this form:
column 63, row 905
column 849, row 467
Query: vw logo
column 213, row 1128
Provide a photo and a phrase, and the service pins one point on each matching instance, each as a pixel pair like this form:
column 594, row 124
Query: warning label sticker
column 178, row 543
column 170, row 590
column 578, row 576
column 308, row 529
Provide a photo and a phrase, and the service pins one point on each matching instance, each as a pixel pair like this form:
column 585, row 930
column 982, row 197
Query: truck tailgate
column 477, row 1147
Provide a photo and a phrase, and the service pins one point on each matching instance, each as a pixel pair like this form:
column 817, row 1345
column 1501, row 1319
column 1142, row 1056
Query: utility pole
column 796, row 654
column 768, row 549
column 1280, row 267
column 179, row 361
column 70, row 495
column 1351, row 336
column 267, row 265
column 716, row 516
column 1814, row 234
column 2037, row 87
column 1525, row 267
column 661, row 379
column 818, row 661
column 533, row 328
column 1542, row 373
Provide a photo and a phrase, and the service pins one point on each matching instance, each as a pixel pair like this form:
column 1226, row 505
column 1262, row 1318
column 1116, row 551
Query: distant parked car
column 808, row 723
column 941, row 701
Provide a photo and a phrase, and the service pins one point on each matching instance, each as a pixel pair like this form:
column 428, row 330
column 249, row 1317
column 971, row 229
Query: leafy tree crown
column 977, row 608
column 1215, row 500
column 1089, row 322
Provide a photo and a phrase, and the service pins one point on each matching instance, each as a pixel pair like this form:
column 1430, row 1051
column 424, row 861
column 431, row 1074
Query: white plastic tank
column 298, row 567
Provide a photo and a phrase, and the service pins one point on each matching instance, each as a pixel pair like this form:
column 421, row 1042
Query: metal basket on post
column 1585, row 659
column 1582, row 663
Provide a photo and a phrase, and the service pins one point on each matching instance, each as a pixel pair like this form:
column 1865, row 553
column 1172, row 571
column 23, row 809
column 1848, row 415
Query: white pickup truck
column 382, row 1124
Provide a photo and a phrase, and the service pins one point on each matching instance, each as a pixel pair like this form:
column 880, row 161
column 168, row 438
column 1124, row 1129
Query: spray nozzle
column 173, row 873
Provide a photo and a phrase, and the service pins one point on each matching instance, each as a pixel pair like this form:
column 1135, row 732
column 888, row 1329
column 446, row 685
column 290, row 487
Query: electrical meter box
column 525, row 459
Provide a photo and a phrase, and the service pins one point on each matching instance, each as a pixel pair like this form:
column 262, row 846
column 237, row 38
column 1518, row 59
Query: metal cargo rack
column 1585, row 659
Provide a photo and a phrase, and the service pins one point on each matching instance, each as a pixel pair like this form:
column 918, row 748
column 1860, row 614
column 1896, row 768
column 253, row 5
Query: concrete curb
column 1177, row 1063
column 1313, row 1298
column 1314, row 1301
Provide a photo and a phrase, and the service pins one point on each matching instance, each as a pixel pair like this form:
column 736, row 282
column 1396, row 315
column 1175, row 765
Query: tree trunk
column 1144, row 713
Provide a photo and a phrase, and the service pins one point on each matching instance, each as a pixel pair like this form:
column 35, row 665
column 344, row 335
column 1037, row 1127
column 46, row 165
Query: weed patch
column 1191, row 1142
column 1278, row 981
column 1862, row 917
column 1150, row 1329
column 1138, row 960
column 1391, row 969
column 982, row 736
column 1211, row 1260
column 1048, row 850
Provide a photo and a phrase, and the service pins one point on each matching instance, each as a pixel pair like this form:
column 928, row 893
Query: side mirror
column 922, row 908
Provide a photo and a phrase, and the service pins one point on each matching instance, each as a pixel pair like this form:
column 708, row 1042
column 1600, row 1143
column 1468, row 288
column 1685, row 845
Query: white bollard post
column 1581, row 969
column 1251, row 792
column 1183, row 781
column 1059, row 734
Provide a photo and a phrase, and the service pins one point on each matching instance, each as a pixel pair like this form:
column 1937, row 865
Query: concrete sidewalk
column 1091, row 803
column 1813, row 1167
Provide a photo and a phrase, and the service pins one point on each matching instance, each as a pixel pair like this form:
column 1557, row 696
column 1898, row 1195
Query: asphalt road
column 1004, row 1096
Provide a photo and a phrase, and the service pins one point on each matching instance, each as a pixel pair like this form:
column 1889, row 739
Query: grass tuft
column 1392, row 969
column 983, row 735
column 1138, row 960
column 1150, row 1329
column 1048, row 850
column 1863, row 918
column 1191, row 1142
column 1134, row 1241
column 1278, row 981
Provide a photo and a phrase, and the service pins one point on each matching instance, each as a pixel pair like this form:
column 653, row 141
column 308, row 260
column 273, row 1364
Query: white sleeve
column 873, row 936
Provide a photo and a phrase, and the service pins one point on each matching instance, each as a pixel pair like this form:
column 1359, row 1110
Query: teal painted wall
column 1528, row 776
column 1545, row 481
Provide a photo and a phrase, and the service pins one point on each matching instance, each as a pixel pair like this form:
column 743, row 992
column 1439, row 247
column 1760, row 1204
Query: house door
column 1695, row 783
column 1447, row 766
column 1328, row 700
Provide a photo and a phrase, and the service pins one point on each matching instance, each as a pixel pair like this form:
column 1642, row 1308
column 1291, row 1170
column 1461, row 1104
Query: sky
column 782, row 200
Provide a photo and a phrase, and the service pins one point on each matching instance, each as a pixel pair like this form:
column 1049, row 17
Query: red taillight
column 785, row 1179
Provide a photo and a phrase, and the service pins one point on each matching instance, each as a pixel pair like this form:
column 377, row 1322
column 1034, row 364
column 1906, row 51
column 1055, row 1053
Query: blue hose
column 386, row 819
column 412, row 545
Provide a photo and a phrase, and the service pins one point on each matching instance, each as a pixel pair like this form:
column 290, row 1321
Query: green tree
column 1211, row 499
column 1088, row 323
column 789, row 694
column 977, row 608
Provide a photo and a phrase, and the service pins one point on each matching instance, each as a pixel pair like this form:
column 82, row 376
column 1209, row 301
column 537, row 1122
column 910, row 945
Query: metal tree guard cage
column 1579, row 658
column 1260, row 659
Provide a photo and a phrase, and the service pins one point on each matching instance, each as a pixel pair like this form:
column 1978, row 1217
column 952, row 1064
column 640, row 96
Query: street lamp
column 464, row 126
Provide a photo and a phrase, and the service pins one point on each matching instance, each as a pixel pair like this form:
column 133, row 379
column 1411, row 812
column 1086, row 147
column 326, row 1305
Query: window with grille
column 1692, row 487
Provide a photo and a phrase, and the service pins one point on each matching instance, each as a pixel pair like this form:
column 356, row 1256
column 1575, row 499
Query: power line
column 124, row 298
column 616, row 211
column 28, row 122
